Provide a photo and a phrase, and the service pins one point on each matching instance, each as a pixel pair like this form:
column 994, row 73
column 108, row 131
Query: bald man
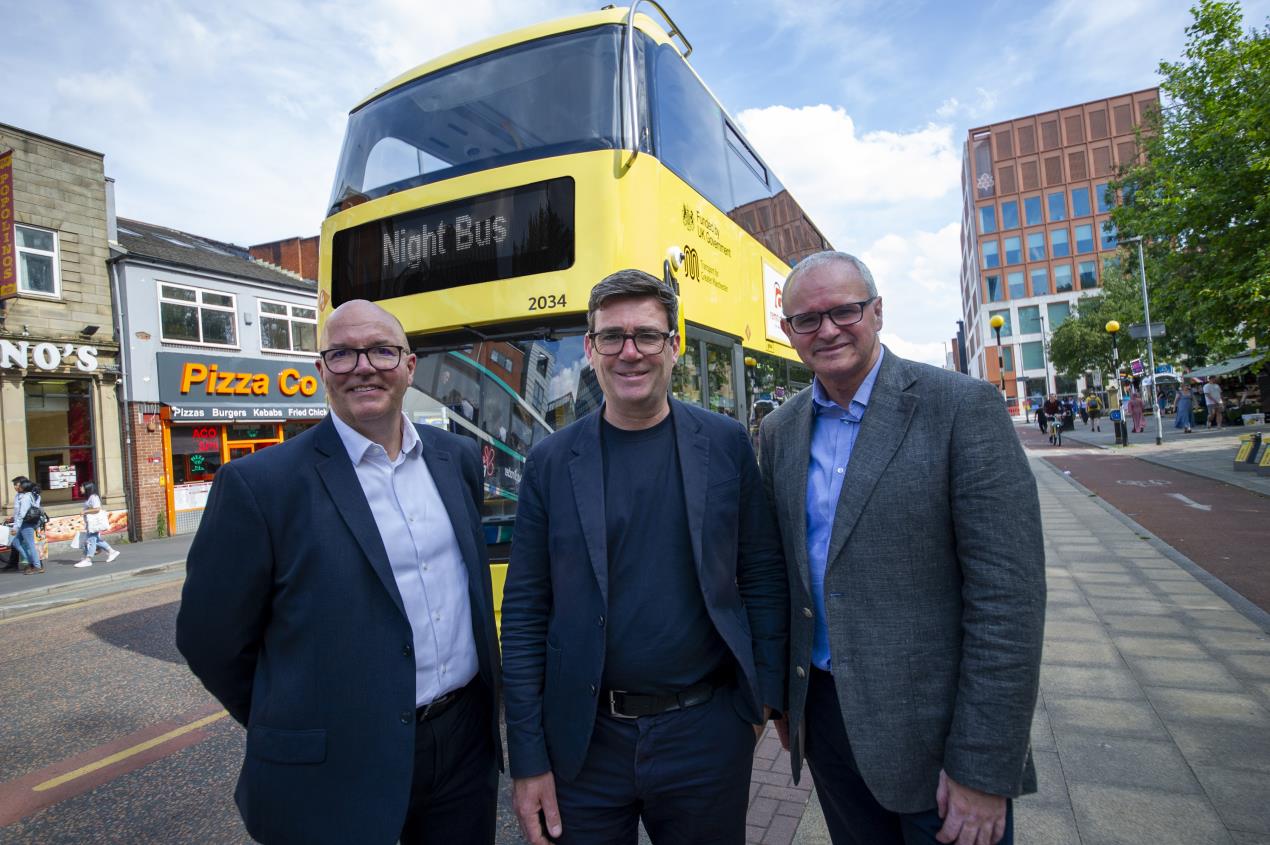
column 337, row 602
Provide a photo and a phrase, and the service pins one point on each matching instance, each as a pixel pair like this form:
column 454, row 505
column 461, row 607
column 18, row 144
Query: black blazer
column 557, row 583
column 291, row 617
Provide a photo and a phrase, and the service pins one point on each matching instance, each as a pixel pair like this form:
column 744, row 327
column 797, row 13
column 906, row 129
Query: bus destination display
column 499, row 235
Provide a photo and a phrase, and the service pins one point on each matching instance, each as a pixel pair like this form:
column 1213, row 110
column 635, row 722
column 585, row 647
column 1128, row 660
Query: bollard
column 1246, row 457
column 1263, row 465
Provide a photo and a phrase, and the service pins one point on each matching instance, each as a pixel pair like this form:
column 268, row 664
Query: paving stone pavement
column 1153, row 724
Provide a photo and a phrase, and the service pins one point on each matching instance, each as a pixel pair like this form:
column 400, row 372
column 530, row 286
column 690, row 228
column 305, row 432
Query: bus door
column 710, row 372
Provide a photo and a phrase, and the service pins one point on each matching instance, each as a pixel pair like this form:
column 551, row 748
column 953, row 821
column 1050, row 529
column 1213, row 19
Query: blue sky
column 225, row 119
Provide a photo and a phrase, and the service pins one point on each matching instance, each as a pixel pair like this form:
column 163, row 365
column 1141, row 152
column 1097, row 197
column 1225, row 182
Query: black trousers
column 685, row 774
column 454, row 791
column 852, row 814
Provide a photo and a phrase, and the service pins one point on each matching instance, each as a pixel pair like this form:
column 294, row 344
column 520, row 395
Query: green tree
column 1081, row 343
column 1200, row 196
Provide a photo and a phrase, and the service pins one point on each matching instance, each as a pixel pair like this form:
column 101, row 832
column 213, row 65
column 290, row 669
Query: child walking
column 92, row 539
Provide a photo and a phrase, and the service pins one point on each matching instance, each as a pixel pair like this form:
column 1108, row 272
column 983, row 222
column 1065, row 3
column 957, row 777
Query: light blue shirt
column 424, row 552
column 833, row 435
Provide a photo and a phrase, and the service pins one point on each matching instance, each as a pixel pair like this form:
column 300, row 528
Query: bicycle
column 1056, row 430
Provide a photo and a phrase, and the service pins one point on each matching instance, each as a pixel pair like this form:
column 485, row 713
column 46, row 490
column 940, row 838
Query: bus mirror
column 675, row 255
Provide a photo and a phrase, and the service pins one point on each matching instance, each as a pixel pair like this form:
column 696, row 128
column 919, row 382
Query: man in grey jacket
column 912, row 533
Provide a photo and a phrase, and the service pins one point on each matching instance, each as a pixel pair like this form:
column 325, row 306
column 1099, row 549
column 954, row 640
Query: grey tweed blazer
column 934, row 589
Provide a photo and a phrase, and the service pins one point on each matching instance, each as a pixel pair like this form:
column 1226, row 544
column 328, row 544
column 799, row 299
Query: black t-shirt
column 660, row 638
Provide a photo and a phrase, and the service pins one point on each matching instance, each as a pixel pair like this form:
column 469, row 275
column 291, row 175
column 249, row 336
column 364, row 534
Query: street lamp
column 997, row 322
column 1146, row 312
column 1113, row 327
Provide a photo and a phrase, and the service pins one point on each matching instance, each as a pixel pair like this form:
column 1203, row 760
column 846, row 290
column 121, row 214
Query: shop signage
column 62, row 477
column 8, row 248
column 223, row 388
column 47, row 356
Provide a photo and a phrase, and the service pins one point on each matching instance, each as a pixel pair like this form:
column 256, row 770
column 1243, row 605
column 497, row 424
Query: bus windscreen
column 547, row 97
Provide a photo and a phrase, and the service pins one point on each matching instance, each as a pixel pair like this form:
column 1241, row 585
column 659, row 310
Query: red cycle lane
column 1221, row 528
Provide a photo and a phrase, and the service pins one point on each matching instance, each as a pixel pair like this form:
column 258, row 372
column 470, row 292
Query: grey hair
column 632, row 284
column 829, row 256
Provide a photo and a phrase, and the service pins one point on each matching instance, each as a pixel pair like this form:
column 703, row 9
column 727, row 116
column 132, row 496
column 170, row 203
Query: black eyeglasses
column 344, row 359
column 842, row 316
column 646, row 342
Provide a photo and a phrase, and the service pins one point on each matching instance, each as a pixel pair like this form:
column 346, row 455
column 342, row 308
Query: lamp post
column 1146, row 313
column 997, row 322
column 1113, row 327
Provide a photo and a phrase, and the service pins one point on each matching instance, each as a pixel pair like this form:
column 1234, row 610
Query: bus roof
column 616, row 15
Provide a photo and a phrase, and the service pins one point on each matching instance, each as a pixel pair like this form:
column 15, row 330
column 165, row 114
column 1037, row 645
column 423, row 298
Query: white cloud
column 834, row 171
column 918, row 277
column 982, row 106
column 934, row 353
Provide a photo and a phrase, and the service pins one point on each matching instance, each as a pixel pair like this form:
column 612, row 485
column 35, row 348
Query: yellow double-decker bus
column 480, row 196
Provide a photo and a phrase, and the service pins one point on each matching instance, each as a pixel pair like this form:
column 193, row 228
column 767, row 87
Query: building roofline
column 52, row 140
column 988, row 126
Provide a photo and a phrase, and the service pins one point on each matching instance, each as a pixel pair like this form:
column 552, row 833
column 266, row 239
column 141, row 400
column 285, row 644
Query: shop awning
column 1230, row 365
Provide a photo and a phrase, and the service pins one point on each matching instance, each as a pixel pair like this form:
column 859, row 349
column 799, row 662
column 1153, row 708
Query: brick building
column 59, row 351
column 1036, row 235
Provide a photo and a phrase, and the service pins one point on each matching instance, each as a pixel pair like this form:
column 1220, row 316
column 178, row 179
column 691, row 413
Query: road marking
column 1191, row 503
column 78, row 605
column 129, row 752
column 1150, row 482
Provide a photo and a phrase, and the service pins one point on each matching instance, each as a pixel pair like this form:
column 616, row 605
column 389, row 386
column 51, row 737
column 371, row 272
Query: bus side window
column 690, row 129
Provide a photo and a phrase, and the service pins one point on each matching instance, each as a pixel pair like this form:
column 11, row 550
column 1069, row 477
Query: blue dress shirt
column 424, row 552
column 833, row 435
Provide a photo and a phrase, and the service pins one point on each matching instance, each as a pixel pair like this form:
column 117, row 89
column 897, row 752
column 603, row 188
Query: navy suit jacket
column 556, row 596
column 291, row 617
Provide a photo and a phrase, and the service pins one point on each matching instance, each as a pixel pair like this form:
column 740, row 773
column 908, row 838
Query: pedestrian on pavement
column 1094, row 407
column 14, row 562
column 28, row 499
column 1213, row 400
column 1041, row 417
column 1053, row 411
column 337, row 602
column 1082, row 410
column 93, row 539
column 1137, row 411
column 1184, row 402
column 1162, row 402
column 645, row 613
column 916, row 654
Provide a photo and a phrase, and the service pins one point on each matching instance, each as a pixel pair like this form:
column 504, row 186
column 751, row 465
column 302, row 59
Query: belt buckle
column 613, row 711
column 436, row 703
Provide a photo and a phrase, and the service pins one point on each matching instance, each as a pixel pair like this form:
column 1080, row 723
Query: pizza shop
column 216, row 408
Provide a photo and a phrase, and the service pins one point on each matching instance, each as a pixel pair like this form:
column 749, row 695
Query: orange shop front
column 215, row 409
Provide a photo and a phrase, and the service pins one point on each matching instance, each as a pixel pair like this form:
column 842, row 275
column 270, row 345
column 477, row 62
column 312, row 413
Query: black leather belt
column 631, row 705
column 438, row 705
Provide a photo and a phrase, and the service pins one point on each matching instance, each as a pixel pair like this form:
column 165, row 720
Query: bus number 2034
column 542, row 303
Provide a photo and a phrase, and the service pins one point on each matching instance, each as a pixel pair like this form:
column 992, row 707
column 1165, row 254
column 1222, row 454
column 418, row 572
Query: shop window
column 196, row 455
column 59, row 437
column 194, row 315
column 287, row 328
column 295, row 428
column 37, row 261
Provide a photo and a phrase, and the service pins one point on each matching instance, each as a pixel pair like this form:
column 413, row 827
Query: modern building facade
column 1035, row 233
column 59, row 354
column 219, row 356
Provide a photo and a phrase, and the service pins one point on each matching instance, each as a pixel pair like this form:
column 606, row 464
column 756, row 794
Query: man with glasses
column 912, row 532
column 645, row 610
column 337, row 602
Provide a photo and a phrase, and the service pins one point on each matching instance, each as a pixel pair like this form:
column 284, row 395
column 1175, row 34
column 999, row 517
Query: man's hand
column 531, row 795
column 970, row 817
column 761, row 726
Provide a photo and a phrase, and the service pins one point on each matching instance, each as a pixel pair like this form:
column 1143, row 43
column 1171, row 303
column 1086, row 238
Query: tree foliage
column 1200, row 196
